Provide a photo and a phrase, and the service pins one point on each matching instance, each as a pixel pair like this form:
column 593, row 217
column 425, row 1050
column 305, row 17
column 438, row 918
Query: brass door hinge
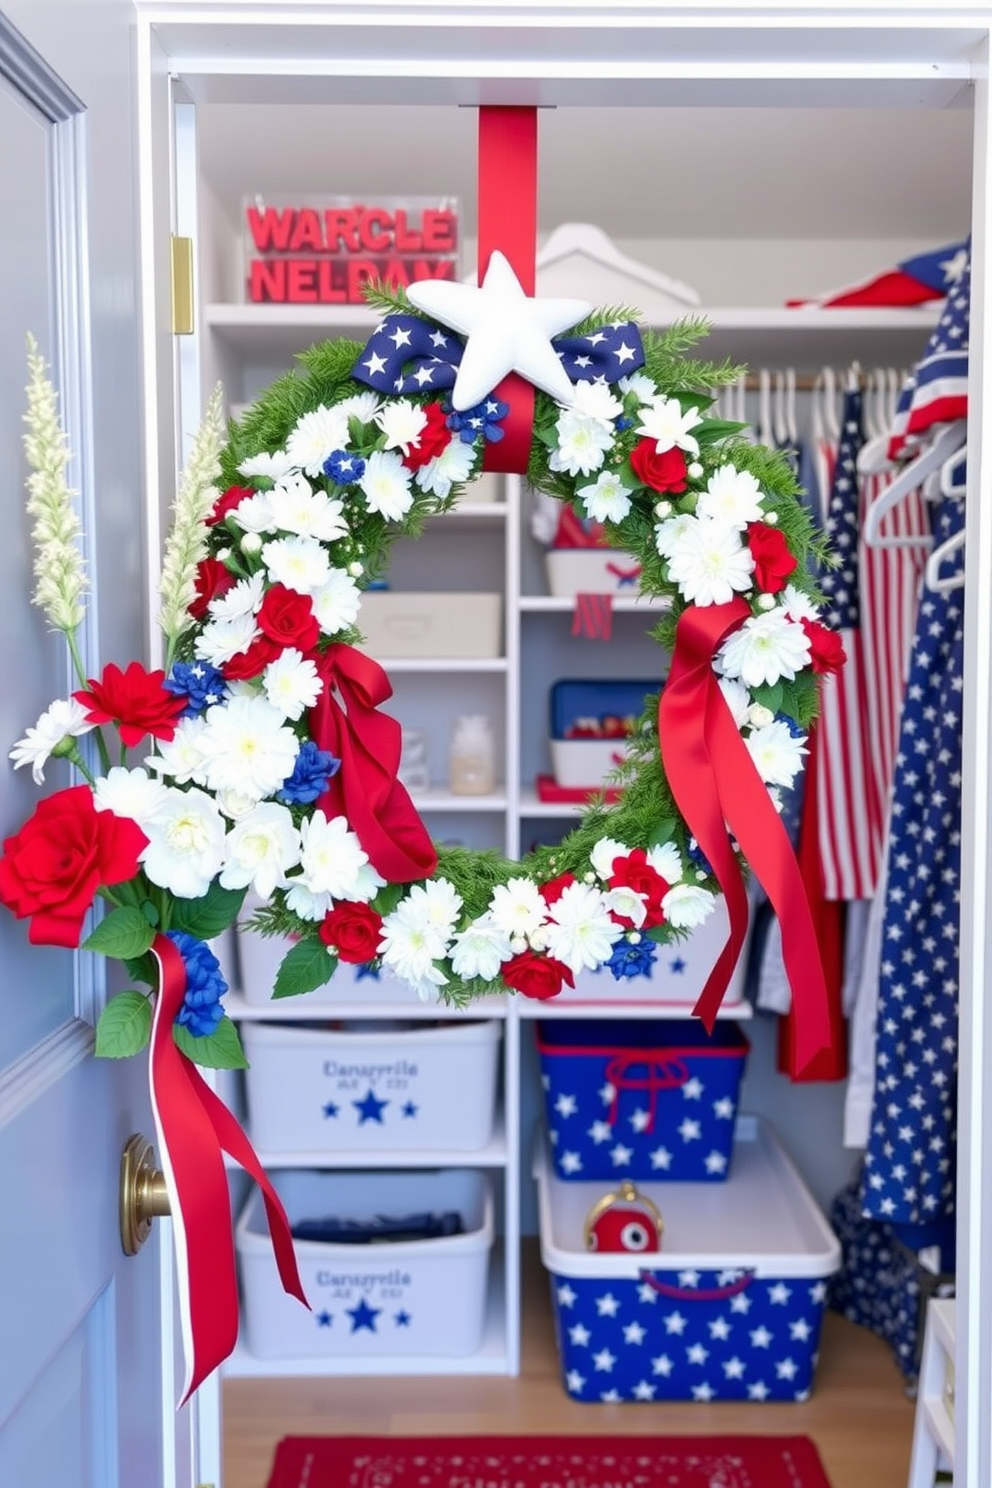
column 182, row 286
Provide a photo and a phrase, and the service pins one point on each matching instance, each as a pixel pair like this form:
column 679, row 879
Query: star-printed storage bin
column 371, row 1301
column 418, row 1087
column 730, row 1309
column 630, row 1099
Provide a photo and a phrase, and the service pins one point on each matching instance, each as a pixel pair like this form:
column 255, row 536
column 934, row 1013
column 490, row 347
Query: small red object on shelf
column 549, row 790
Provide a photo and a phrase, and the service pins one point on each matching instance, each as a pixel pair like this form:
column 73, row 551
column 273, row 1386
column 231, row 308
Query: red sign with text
column 324, row 251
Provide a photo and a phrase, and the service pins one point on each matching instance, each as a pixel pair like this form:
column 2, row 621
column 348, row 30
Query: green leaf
column 125, row 1026
column 122, row 933
column 305, row 968
column 711, row 431
column 663, row 832
column 210, row 914
column 151, row 914
column 142, row 969
column 770, row 697
column 218, row 1050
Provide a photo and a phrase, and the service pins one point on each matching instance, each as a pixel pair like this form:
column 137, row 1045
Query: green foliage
column 124, row 1026
column 218, row 1050
column 207, row 916
column 304, row 968
column 122, row 933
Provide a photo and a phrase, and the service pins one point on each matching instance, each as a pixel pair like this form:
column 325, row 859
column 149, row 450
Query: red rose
column 434, row 438
column 826, row 649
column 535, row 975
column 288, row 617
column 354, row 931
column 213, row 579
column 228, row 501
column 135, row 701
column 555, row 887
column 54, row 866
column 635, row 872
column 662, row 472
column 252, row 661
column 773, row 563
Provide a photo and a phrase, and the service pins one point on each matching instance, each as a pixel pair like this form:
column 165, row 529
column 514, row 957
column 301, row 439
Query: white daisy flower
column 517, row 907
column 360, row 406
column 596, row 400
column 247, row 747
column 602, row 857
column 666, row 862
column 686, row 905
column 254, row 514
column 291, row 683
column 186, row 843
column 368, row 882
column 64, row 719
column 386, row 485
column 235, row 805
column 261, row 849
column 608, row 500
column 627, row 903
column 336, row 603
column 244, row 598
column 709, row 563
column 317, row 435
column 452, row 467
column 402, row 422
column 411, row 942
column 582, row 932
column 639, row 383
column 304, row 903
column 663, row 420
column 219, row 640
column 443, row 904
column 181, row 758
column 129, row 793
column 777, row 753
column 766, row 648
column 273, row 464
column 738, row 700
column 298, row 508
column 480, row 950
column 732, row 496
column 582, row 443
column 331, row 856
column 669, row 533
column 301, row 563
column 797, row 605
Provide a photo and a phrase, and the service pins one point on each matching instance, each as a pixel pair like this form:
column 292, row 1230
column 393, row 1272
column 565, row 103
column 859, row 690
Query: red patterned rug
column 547, row 1462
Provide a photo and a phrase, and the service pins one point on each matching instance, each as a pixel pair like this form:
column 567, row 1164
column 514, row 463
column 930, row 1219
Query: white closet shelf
column 493, row 1155
column 531, row 806
column 492, row 1357
column 434, row 665
column 553, row 604
column 471, row 514
column 613, row 1005
column 439, row 799
column 382, row 1001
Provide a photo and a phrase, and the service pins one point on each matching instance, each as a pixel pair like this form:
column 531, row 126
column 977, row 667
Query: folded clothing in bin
column 590, row 723
column 730, row 1309
column 641, row 1099
column 382, row 1229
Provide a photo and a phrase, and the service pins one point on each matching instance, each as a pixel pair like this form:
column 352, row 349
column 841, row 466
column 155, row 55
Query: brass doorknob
column 144, row 1196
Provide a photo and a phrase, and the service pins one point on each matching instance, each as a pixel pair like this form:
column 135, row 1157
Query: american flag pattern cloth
column 914, row 281
column 849, row 807
column 910, row 1157
column 936, row 391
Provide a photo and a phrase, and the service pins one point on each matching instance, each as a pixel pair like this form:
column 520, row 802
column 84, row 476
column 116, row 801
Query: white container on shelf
column 585, row 762
column 400, row 625
column 421, row 1089
column 391, row 1299
column 573, row 571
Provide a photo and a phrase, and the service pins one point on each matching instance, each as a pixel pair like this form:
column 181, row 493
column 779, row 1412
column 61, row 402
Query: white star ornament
column 506, row 331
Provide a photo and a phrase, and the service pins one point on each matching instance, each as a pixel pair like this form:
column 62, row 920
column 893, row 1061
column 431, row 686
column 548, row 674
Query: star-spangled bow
column 406, row 354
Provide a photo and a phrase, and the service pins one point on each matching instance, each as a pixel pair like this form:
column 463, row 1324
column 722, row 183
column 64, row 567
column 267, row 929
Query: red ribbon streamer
column 366, row 790
column 660, row 1073
column 719, row 791
column 194, row 1129
column 508, row 221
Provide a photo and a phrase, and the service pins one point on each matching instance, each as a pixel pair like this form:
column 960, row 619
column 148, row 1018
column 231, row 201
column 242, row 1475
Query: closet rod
column 804, row 383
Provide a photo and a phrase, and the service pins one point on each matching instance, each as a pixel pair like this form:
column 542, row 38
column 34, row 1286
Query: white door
column 88, row 1375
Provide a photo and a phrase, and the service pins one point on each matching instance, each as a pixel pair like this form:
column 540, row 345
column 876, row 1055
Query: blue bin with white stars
column 653, row 1099
column 729, row 1309
column 381, row 1301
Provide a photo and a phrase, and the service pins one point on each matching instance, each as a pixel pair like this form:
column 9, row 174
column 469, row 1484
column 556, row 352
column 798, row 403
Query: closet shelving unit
column 245, row 346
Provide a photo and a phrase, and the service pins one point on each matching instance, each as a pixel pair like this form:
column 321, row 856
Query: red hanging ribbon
column 194, row 1129
column 508, row 221
column 366, row 790
column 719, row 792
column 660, row 1073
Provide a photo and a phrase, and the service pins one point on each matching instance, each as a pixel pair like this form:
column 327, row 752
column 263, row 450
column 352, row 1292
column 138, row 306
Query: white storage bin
column 573, row 571
column 729, row 1309
column 585, row 762
column 400, row 625
column 368, row 1301
column 422, row 1089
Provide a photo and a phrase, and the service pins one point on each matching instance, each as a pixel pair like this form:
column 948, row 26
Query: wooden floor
column 858, row 1414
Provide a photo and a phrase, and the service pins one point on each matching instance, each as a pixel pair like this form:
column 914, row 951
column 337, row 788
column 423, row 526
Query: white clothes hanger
column 766, row 432
column 939, row 583
column 947, row 442
column 791, row 423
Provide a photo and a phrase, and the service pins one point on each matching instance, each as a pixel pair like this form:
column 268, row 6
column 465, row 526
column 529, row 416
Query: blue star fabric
column 688, row 1335
column 641, row 1099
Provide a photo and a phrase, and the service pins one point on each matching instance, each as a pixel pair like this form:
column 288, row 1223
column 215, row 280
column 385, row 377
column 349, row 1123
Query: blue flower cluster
column 344, row 469
column 630, row 960
column 311, row 775
column 201, row 1011
column 199, row 683
column 483, row 419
